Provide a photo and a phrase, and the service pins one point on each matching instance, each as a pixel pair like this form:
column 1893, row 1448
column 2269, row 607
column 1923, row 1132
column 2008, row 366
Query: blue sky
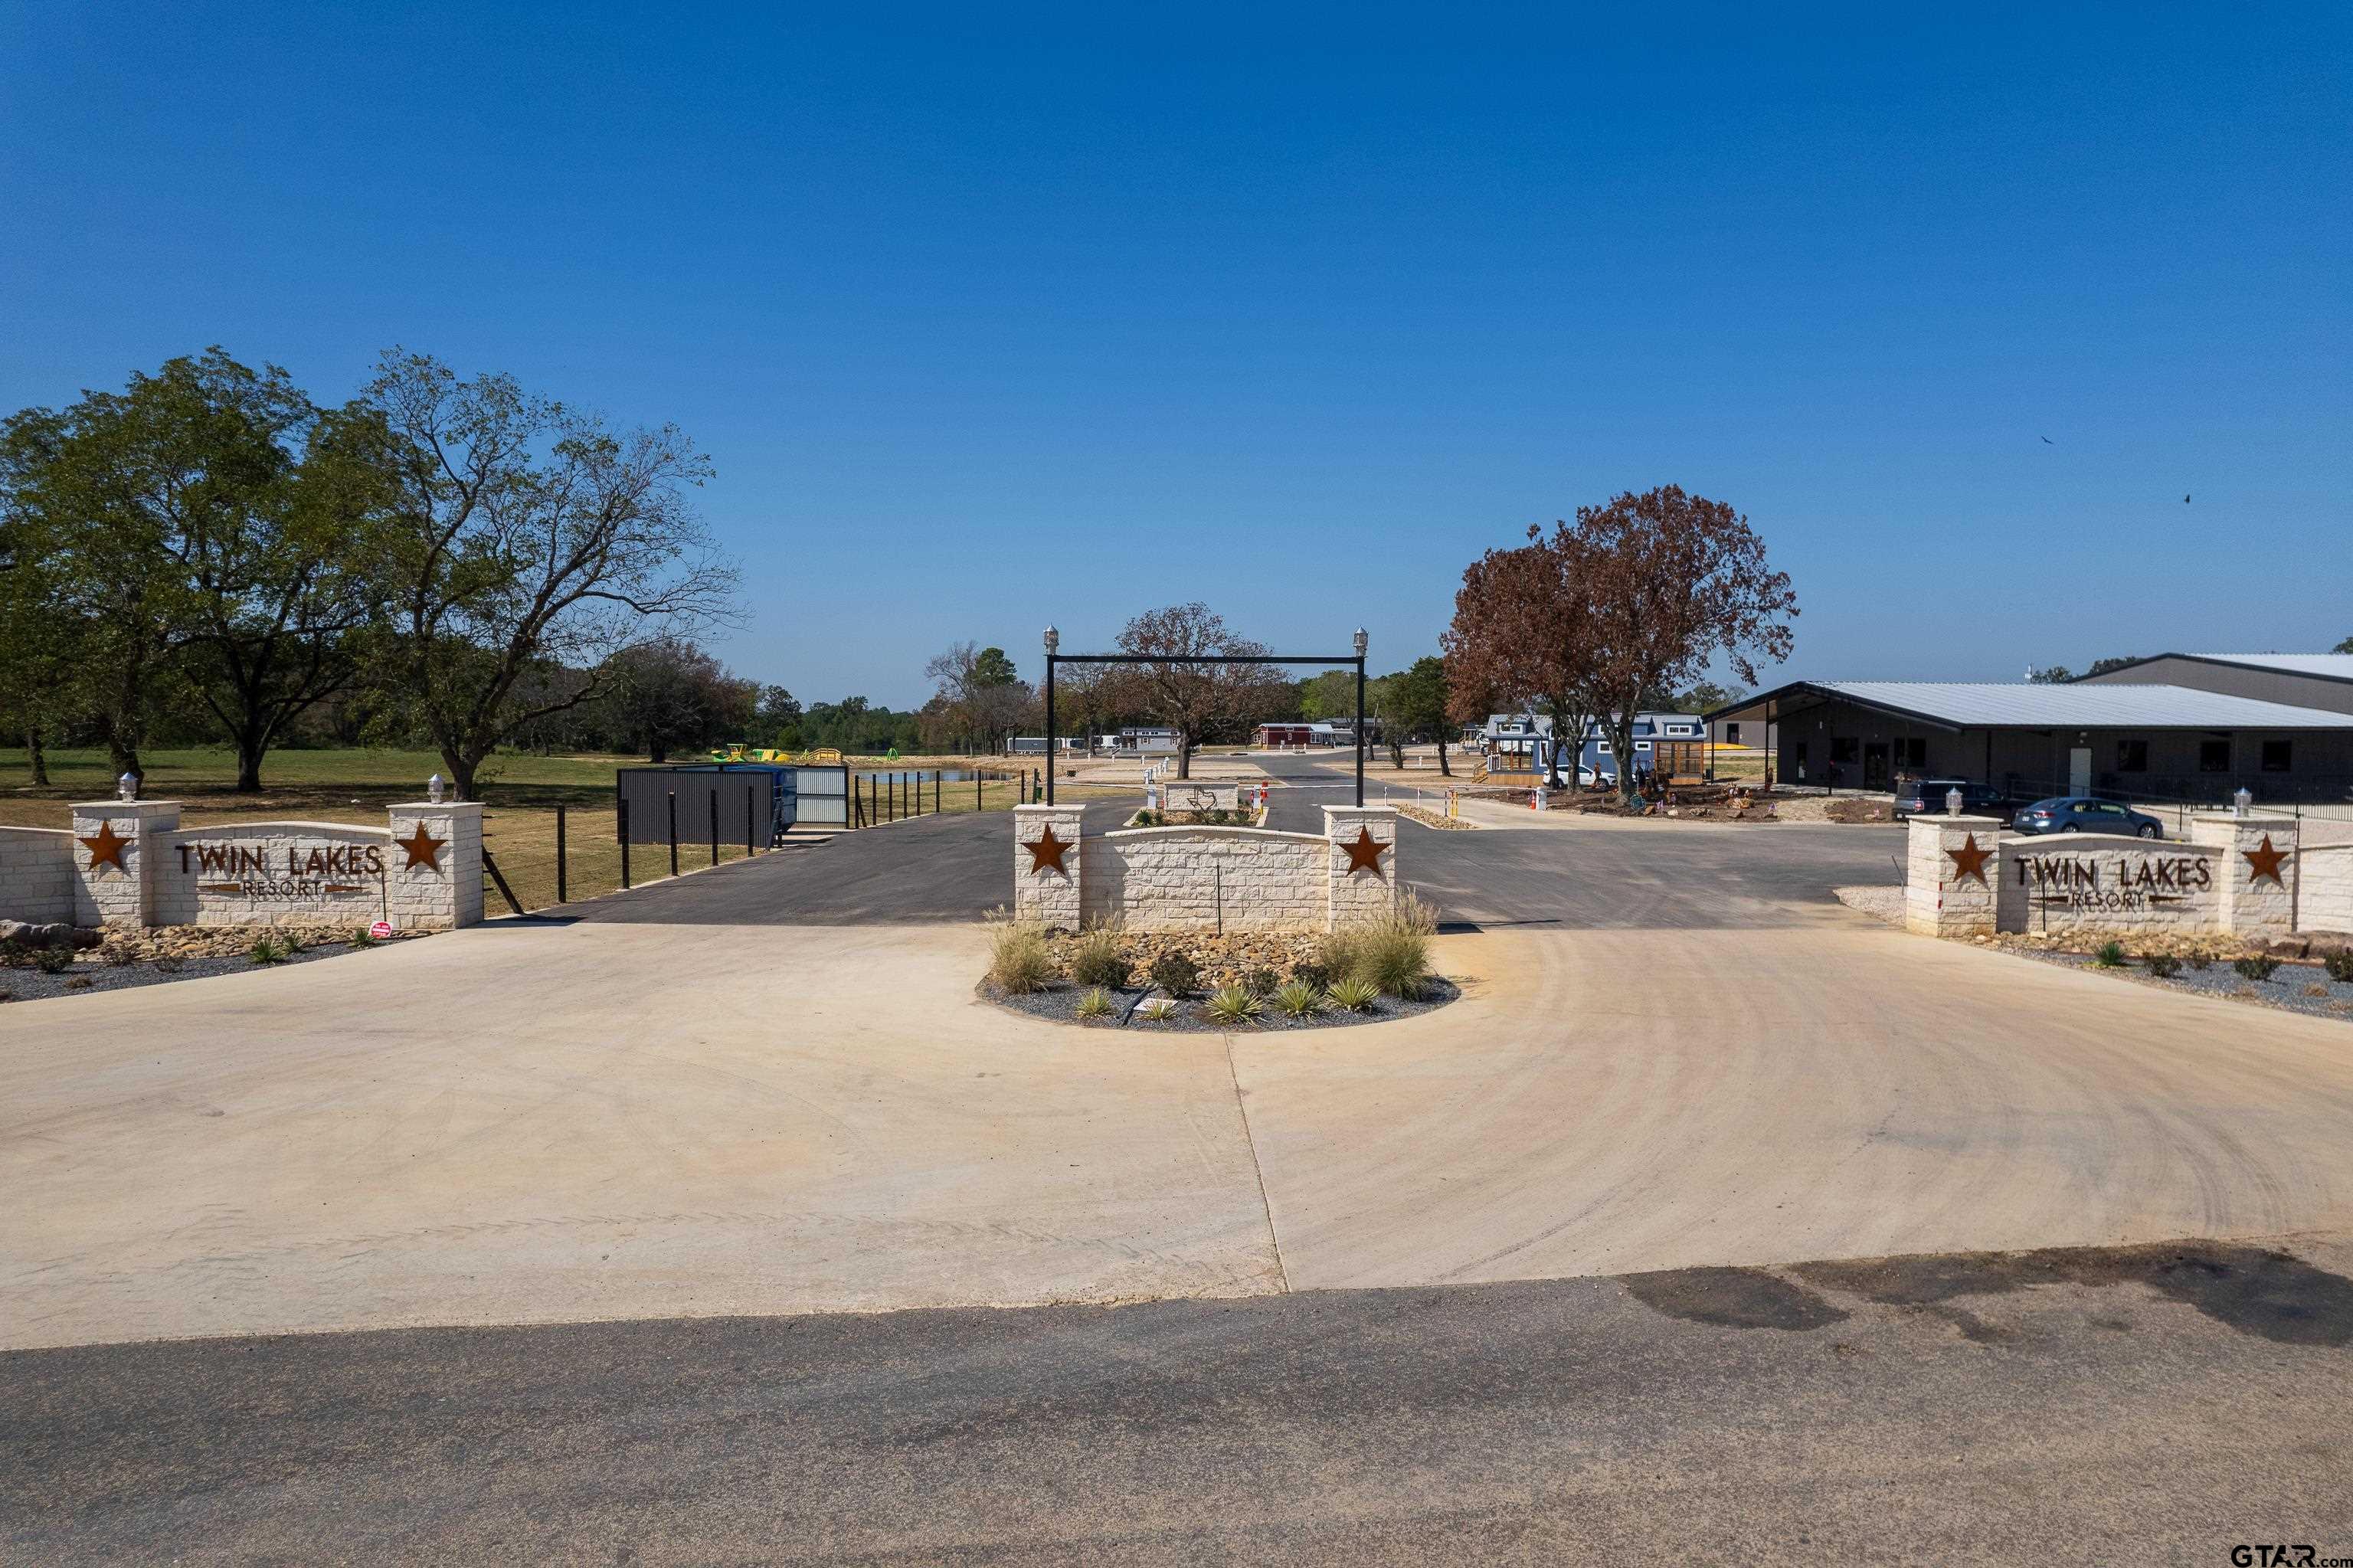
column 994, row 316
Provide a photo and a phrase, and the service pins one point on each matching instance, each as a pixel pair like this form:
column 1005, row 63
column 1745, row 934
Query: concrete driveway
column 1674, row 1050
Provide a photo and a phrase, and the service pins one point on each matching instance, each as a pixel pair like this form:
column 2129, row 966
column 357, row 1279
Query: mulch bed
column 1060, row 1004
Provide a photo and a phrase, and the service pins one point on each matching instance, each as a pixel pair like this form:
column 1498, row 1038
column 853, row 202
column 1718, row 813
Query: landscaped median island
column 1362, row 972
column 38, row 961
column 2310, row 974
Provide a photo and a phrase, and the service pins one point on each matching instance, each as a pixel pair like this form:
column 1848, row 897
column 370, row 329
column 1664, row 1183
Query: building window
column 2279, row 755
column 1641, row 745
column 2213, row 756
column 1605, row 748
column 1731, row 734
column 1915, row 751
column 1679, row 729
column 2132, row 756
column 1844, row 748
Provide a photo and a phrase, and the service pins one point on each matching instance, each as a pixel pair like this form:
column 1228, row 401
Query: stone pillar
column 1362, row 878
column 115, row 875
column 2256, row 866
column 433, row 870
column 1951, row 874
column 1046, row 856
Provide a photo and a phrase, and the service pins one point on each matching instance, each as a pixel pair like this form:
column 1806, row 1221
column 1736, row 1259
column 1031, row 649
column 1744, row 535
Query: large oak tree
column 523, row 533
column 1199, row 701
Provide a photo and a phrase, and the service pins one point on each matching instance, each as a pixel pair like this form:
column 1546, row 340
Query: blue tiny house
column 1517, row 747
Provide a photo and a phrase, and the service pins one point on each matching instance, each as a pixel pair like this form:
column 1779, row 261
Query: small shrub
column 2199, row 961
column 267, row 950
column 1311, row 974
column 1261, row 982
column 1148, row 818
column 1096, row 960
column 2316, row 989
column 2256, row 969
column 81, row 982
column 2341, row 966
column 2109, row 955
column 1175, row 974
column 2164, row 965
column 364, row 936
column 1299, row 999
column 1019, row 959
column 1233, row 1004
column 53, row 960
column 1354, row 994
column 1096, row 1003
column 1159, row 1009
column 15, row 954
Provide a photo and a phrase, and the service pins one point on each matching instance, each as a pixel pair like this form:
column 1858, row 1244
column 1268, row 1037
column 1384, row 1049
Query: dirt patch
column 2269, row 1294
column 1733, row 1298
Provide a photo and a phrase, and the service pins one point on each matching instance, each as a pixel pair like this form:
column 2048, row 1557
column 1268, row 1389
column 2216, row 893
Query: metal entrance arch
column 1053, row 657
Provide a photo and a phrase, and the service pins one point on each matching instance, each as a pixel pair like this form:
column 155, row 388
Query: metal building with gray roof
column 2132, row 740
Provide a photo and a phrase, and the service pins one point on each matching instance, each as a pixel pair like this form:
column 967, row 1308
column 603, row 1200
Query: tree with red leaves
column 1668, row 582
column 1517, row 641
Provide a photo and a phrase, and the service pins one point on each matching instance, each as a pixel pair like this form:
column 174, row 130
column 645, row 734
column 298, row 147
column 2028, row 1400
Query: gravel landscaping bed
column 2298, row 988
column 1059, row 1003
column 92, row 973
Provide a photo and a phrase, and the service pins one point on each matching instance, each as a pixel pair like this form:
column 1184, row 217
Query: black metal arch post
column 1053, row 641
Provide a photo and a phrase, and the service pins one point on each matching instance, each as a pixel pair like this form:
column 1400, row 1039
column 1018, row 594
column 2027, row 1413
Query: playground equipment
column 736, row 751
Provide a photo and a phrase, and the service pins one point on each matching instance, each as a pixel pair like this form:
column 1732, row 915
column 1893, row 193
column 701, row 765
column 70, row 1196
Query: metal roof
column 2016, row 705
column 2335, row 666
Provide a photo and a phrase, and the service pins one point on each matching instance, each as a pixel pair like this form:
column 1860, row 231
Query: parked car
column 1926, row 796
column 2082, row 814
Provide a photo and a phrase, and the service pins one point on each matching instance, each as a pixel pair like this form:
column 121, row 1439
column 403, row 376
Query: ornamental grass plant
column 1019, row 959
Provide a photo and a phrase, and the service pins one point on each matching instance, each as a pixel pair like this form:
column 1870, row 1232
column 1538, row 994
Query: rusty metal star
column 1971, row 860
column 2264, row 863
column 423, row 849
column 1364, row 853
column 1046, row 851
column 106, row 848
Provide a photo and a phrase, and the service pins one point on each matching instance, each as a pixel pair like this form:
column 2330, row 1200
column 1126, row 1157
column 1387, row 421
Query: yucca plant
column 1233, row 1004
column 1097, row 1003
column 1019, row 959
column 1297, row 999
column 267, row 950
column 362, row 937
column 1159, row 1009
column 1354, row 993
column 2109, row 955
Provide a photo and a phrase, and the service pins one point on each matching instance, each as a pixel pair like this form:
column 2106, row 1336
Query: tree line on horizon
column 210, row 556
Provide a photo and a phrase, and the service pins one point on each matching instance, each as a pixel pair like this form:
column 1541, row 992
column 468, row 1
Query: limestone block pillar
column 1951, row 875
column 433, row 873
column 1361, row 865
column 116, row 863
column 1047, row 852
column 2256, row 866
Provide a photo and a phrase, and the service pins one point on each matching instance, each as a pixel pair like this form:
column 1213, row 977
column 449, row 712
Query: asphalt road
column 2152, row 1406
column 955, row 868
column 922, row 870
